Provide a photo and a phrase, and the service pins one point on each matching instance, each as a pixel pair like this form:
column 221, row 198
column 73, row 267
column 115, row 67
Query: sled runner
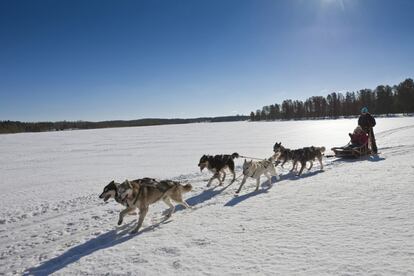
column 350, row 151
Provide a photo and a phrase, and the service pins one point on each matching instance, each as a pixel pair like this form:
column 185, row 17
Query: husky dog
column 111, row 190
column 308, row 154
column 283, row 154
column 217, row 165
column 255, row 169
column 140, row 194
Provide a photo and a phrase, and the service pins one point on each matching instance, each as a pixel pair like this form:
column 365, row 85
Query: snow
column 352, row 218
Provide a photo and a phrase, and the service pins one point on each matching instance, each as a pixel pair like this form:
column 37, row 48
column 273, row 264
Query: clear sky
column 103, row 60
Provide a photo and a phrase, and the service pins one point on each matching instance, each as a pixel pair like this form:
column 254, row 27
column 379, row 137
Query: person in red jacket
column 359, row 137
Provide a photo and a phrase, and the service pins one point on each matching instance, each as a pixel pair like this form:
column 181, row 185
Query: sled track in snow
column 393, row 131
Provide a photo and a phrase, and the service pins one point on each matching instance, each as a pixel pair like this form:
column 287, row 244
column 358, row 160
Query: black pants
column 371, row 135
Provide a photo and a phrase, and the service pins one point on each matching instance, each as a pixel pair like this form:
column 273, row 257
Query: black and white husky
column 283, row 154
column 217, row 165
column 308, row 154
column 255, row 169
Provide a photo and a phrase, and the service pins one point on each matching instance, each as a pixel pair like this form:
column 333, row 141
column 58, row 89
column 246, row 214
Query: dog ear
column 129, row 183
column 112, row 182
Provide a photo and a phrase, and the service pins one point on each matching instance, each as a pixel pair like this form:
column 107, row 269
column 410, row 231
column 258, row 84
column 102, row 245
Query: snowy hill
column 353, row 218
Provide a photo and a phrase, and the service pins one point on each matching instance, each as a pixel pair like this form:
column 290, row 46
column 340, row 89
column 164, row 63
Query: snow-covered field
column 352, row 218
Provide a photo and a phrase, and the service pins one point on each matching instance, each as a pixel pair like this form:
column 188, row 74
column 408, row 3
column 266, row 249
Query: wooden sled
column 352, row 152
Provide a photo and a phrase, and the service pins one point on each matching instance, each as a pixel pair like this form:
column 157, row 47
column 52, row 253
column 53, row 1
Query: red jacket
column 359, row 139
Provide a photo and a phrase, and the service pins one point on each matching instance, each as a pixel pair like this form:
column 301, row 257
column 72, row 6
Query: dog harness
column 265, row 164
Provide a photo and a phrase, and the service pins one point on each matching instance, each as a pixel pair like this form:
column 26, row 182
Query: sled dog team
column 140, row 193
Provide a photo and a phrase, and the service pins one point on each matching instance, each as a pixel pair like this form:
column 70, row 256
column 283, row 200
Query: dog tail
column 187, row 188
column 235, row 155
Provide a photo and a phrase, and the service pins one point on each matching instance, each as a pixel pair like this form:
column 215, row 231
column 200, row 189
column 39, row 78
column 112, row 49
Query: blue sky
column 103, row 60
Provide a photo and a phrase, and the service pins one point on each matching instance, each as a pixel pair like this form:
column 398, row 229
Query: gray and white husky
column 255, row 169
column 139, row 194
column 113, row 189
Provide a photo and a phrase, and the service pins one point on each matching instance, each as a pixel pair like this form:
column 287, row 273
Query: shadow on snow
column 371, row 158
column 266, row 187
column 294, row 176
column 103, row 241
column 203, row 196
column 237, row 199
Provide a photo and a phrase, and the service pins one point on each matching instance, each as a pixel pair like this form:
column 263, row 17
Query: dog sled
column 350, row 151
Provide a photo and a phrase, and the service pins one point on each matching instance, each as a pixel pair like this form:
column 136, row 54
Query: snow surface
column 352, row 218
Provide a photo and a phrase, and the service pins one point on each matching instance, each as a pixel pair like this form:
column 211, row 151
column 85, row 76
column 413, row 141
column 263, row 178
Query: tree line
column 17, row 126
column 384, row 99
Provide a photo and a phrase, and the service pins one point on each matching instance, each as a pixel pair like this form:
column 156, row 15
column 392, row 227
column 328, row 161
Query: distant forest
column 16, row 126
column 384, row 99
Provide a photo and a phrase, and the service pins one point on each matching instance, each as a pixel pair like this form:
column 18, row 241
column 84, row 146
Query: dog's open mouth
column 107, row 197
